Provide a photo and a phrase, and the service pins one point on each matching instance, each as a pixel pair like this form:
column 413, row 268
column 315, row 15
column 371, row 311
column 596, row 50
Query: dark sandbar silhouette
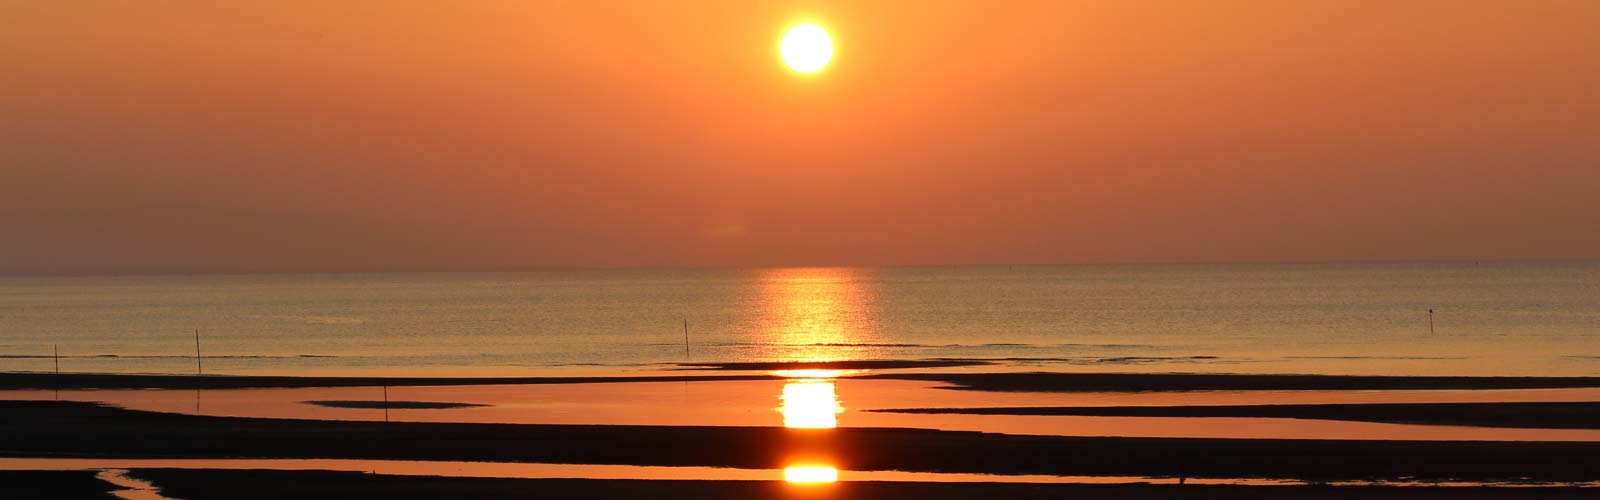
column 877, row 364
column 315, row 485
column 63, row 428
column 53, row 484
column 1551, row 415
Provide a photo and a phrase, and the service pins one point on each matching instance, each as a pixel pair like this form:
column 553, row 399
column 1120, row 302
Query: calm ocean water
column 1491, row 319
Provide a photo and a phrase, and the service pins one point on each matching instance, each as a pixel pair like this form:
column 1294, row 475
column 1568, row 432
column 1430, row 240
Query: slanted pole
column 198, row 370
column 56, row 348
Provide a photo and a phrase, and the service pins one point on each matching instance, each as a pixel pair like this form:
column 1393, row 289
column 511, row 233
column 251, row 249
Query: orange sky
column 383, row 135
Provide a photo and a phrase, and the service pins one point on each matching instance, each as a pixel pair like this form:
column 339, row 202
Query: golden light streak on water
column 816, row 314
column 810, row 404
column 811, row 474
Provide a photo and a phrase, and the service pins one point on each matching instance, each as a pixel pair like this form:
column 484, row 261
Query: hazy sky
column 157, row 136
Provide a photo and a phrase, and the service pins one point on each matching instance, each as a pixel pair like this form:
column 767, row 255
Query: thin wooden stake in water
column 1430, row 321
column 57, row 349
column 197, row 368
column 386, row 403
column 685, row 339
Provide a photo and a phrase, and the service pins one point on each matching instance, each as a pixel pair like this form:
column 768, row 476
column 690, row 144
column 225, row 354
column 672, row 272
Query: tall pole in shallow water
column 56, row 348
column 197, row 368
column 686, row 339
column 386, row 403
column 1430, row 321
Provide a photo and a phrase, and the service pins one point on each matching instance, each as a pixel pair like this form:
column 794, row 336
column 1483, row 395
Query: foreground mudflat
column 53, row 484
column 310, row 485
column 81, row 429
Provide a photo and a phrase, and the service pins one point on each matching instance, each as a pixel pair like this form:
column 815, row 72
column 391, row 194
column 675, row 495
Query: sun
column 806, row 48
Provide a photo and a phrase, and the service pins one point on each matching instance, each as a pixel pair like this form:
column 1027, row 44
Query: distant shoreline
column 1000, row 382
column 293, row 271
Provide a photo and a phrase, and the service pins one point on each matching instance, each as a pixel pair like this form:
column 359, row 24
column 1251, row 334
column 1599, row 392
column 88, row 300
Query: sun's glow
column 810, row 404
column 806, row 48
column 817, row 373
column 811, row 474
column 816, row 315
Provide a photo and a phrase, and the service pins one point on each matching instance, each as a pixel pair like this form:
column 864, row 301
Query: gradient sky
column 164, row 136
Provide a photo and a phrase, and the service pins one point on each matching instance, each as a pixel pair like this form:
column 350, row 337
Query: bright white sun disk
column 806, row 48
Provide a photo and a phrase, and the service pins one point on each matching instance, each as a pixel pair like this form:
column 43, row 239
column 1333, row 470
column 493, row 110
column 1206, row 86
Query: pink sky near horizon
column 171, row 136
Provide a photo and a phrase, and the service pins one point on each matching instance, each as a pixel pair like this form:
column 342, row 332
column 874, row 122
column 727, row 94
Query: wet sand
column 1006, row 382
column 759, row 403
column 80, row 429
column 395, row 405
column 1556, row 415
column 756, row 403
column 53, row 485
column 311, row 485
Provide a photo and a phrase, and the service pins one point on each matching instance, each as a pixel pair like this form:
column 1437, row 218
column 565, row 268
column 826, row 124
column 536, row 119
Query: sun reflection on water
column 815, row 373
column 810, row 404
column 811, row 474
column 815, row 314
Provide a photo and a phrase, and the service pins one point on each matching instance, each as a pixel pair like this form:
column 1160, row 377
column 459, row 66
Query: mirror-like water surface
column 1531, row 318
column 812, row 402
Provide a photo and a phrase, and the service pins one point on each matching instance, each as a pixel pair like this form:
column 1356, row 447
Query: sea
column 1400, row 318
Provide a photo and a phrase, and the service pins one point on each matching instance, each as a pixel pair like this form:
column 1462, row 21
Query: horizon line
column 668, row 267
